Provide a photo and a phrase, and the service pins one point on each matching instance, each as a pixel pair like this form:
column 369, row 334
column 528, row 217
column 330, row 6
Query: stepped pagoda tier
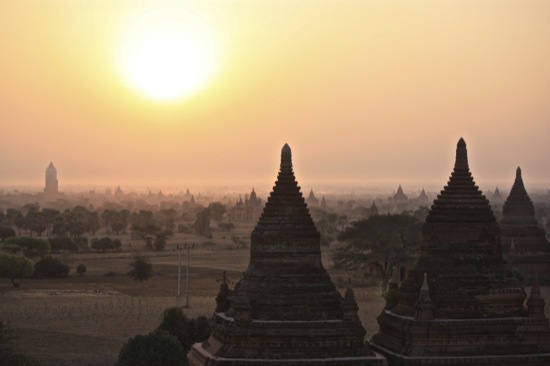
column 285, row 310
column 523, row 239
column 519, row 223
column 460, row 303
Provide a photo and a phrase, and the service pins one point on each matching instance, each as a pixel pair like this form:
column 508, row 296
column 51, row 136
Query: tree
column 81, row 269
column 103, row 244
column 217, row 210
column 6, row 232
column 142, row 268
column 50, row 267
column 160, row 239
column 49, row 216
column 11, row 215
column 378, row 244
column 202, row 222
column 15, row 267
column 157, row 348
column 29, row 247
column 35, row 222
column 187, row 331
column 62, row 245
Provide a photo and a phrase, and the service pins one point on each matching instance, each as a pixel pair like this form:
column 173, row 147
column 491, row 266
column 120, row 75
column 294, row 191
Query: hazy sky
column 365, row 92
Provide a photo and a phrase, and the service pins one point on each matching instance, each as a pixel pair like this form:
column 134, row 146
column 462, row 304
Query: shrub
column 50, row 267
column 142, row 269
column 187, row 331
column 29, row 247
column 63, row 244
column 81, row 269
column 14, row 267
column 158, row 348
column 103, row 244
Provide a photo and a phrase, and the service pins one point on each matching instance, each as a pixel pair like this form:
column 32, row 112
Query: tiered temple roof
column 285, row 310
column 399, row 196
column 519, row 223
column 460, row 303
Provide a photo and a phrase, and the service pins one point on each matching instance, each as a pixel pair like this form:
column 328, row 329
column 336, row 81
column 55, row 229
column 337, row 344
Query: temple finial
column 424, row 305
column 461, row 162
column 518, row 173
column 425, row 283
column 286, row 156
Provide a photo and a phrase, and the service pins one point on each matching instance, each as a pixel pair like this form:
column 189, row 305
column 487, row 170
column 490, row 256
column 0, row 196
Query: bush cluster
column 50, row 267
column 169, row 344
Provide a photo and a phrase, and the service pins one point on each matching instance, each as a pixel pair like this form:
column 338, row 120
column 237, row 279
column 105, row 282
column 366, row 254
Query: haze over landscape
column 365, row 92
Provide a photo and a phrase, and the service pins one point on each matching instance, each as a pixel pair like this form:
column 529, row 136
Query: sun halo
column 167, row 54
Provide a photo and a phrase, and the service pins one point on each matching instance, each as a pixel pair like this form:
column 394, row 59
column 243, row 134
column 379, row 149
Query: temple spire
column 424, row 304
column 286, row 157
column 349, row 305
column 461, row 161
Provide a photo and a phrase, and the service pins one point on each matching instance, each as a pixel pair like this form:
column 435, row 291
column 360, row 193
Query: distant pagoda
column 285, row 310
column 51, row 184
column 460, row 304
column 523, row 239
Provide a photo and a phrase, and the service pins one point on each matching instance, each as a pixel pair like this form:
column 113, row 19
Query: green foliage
column 29, row 247
column 158, row 348
column 62, row 244
column 187, row 331
column 81, row 269
column 378, row 244
column 103, row 244
column 15, row 267
column 142, row 268
column 50, row 267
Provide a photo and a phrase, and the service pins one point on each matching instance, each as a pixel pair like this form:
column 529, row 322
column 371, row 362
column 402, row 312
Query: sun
column 167, row 53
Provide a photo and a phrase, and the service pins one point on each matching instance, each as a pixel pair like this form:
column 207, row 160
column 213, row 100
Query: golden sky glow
column 363, row 91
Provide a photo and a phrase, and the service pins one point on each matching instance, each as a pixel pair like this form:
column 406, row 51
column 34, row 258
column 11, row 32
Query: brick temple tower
column 51, row 186
column 285, row 310
column 460, row 304
column 523, row 239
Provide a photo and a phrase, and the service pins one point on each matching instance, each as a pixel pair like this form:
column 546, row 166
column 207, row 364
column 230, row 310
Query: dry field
column 85, row 320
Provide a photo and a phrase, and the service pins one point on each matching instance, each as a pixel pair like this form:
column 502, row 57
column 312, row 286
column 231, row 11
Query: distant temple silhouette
column 523, row 239
column 247, row 210
column 460, row 304
column 51, row 187
column 285, row 310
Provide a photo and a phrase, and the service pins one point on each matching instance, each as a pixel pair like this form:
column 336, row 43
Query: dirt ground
column 84, row 320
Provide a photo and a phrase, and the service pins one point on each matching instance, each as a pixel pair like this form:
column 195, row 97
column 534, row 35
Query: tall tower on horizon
column 51, row 186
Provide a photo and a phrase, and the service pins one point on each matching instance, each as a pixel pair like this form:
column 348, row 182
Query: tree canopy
column 142, row 268
column 14, row 267
column 157, row 348
column 29, row 247
column 378, row 244
column 187, row 331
